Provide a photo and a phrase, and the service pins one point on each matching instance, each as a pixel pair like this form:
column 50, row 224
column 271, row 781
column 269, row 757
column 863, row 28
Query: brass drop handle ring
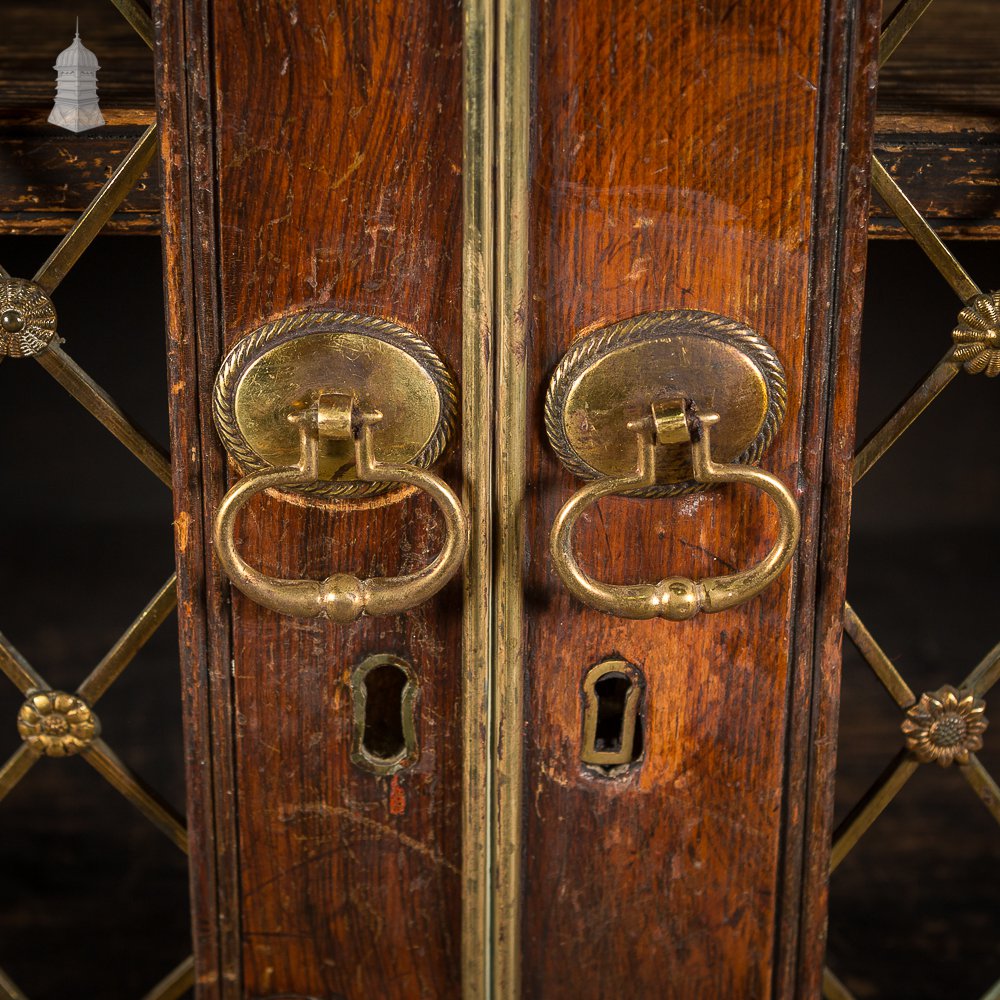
column 675, row 598
column 342, row 597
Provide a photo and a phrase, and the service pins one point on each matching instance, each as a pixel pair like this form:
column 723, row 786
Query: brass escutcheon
column 608, row 379
column 383, row 366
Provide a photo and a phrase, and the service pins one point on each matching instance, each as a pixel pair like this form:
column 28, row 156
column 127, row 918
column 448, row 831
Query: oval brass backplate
column 384, row 366
column 611, row 376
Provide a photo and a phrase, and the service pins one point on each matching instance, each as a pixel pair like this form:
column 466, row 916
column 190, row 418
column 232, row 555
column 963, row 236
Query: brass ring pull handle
column 342, row 597
column 675, row 598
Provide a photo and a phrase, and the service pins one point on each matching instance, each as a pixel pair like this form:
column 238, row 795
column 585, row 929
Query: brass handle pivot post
column 675, row 598
column 341, row 597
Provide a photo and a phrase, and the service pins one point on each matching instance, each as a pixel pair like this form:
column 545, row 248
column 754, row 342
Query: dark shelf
column 49, row 175
column 937, row 126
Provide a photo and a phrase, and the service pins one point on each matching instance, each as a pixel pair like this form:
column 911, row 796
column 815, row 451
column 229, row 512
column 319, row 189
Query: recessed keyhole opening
column 610, row 690
column 384, row 736
column 612, row 730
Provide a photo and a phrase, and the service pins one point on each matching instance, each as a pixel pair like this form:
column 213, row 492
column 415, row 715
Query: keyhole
column 385, row 691
column 612, row 723
column 384, row 711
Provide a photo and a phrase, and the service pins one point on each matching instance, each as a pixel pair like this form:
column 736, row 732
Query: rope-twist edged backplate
column 650, row 327
column 329, row 321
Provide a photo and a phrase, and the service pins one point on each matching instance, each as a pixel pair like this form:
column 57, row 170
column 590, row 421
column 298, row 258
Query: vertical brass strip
column 514, row 76
column 477, row 466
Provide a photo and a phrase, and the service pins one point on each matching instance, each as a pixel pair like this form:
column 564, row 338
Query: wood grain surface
column 675, row 166
column 337, row 180
column 683, row 156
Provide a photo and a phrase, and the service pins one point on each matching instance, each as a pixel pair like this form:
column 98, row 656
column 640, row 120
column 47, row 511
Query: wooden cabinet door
column 498, row 180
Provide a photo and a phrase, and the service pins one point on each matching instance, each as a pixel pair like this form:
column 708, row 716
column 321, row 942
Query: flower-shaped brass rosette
column 977, row 336
column 945, row 726
column 27, row 318
column 57, row 724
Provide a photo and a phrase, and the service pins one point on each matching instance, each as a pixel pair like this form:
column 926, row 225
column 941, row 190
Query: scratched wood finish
column 337, row 181
column 675, row 166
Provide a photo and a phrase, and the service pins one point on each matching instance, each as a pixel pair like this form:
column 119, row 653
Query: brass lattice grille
column 943, row 726
column 57, row 723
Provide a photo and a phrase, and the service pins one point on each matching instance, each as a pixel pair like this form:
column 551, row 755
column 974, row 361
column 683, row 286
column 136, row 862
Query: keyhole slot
column 612, row 720
column 385, row 690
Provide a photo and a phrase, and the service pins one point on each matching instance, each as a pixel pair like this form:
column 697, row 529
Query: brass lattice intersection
column 61, row 723
column 944, row 725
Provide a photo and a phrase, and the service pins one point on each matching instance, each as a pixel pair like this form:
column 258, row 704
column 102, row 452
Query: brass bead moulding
column 387, row 369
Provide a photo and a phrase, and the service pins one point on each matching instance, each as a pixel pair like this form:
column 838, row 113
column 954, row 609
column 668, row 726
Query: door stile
column 843, row 163
column 513, row 307
column 477, row 497
column 186, row 113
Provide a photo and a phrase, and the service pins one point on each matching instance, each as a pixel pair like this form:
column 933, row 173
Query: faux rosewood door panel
column 684, row 156
column 323, row 147
column 543, row 169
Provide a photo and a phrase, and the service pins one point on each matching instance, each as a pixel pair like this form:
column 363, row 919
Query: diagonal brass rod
column 175, row 984
column 875, row 656
column 19, row 763
column 985, row 673
column 3, row 272
column 871, row 805
column 134, row 638
column 101, row 406
column 97, row 213
column 20, row 672
column 833, row 988
column 993, row 993
column 917, row 226
column 136, row 15
column 915, row 404
column 9, row 989
column 103, row 759
column 982, row 784
column 898, row 27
